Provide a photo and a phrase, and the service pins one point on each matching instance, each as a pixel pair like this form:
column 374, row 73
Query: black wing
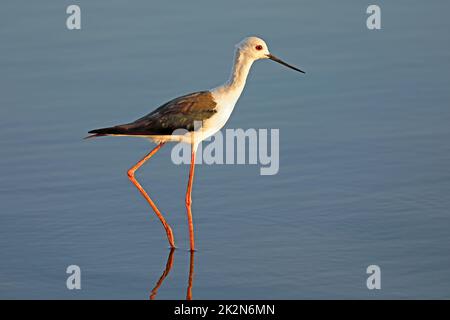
column 179, row 113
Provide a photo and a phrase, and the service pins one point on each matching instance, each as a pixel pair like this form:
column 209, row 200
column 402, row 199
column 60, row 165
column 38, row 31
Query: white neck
column 236, row 83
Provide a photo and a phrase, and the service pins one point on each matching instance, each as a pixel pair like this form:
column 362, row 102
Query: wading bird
column 210, row 108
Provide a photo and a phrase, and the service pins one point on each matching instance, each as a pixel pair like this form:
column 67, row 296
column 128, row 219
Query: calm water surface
column 364, row 151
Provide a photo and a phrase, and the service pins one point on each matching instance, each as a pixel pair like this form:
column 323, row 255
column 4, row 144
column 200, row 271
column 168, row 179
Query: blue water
column 364, row 151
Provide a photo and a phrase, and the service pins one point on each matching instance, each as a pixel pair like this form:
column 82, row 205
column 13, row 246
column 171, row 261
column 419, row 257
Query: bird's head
column 253, row 47
column 256, row 48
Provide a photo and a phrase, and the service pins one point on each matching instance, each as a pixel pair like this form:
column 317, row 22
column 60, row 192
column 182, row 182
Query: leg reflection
column 191, row 276
column 169, row 265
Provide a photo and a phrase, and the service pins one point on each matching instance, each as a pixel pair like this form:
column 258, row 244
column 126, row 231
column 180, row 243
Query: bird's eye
column 259, row 47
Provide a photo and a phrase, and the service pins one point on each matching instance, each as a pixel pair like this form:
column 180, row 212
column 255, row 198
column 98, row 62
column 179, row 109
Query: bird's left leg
column 147, row 197
column 189, row 198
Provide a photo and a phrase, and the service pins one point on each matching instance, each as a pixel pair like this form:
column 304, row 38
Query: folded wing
column 179, row 113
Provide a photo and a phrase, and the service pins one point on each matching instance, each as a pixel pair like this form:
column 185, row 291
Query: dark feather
column 179, row 113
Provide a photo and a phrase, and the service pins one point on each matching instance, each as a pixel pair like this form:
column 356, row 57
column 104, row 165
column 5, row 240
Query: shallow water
column 364, row 151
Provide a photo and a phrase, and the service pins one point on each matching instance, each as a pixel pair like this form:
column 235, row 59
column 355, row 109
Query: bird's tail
column 94, row 135
column 106, row 132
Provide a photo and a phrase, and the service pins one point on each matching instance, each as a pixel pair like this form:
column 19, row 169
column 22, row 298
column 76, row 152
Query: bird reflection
column 169, row 265
column 191, row 276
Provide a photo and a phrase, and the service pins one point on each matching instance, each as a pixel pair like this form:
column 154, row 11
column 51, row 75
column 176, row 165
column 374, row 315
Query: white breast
column 225, row 105
column 228, row 94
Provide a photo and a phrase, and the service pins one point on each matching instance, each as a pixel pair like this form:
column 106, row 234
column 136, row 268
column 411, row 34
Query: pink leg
column 189, row 200
column 146, row 196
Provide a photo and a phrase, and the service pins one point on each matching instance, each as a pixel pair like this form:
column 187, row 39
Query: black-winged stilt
column 210, row 108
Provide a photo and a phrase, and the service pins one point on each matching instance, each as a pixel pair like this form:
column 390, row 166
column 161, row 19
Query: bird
column 191, row 118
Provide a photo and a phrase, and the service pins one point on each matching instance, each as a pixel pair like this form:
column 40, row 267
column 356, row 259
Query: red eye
column 259, row 47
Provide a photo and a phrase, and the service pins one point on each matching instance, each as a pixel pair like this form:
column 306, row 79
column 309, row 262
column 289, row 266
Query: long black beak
column 272, row 57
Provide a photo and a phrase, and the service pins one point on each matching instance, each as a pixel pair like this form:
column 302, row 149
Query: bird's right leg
column 146, row 196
